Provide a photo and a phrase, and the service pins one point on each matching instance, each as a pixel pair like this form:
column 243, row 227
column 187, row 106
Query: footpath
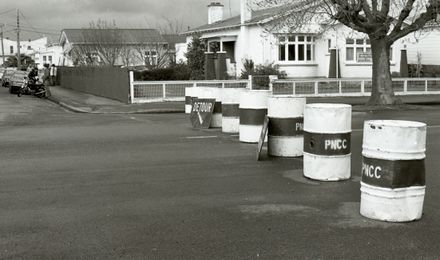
column 81, row 102
column 86, row 103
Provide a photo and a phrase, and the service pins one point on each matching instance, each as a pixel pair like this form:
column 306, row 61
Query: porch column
column 221, row 66
column 209, row 66
column 403, row 64
column 334, row 68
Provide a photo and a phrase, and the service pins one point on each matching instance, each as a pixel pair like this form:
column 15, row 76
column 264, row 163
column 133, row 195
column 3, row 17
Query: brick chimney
column 215, row 12
column 245, row 11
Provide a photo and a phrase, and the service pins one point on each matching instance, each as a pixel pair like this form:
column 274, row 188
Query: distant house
column 28, row 47
column 119, row 47
column 305, row 53
column 51, row 54
column 177, row 45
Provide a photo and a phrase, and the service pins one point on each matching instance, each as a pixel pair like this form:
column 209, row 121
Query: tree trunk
column 382, row 92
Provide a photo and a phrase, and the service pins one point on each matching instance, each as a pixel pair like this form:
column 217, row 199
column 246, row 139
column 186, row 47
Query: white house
column 28, row 47
column 304, row 53
column 423, row 46
column 52, row 54
column 177, row 47
column 181, row 49
column 122, row 47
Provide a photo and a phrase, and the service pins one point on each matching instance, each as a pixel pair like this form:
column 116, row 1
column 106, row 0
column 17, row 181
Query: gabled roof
column 172, row 39
column 258, row 16
column 124, row 36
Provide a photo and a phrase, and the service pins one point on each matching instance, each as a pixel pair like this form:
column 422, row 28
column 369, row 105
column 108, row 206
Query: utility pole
column 18, row 40
column 3, row 48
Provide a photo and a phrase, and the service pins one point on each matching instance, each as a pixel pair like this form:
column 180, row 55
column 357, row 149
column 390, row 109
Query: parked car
column 6, row 77
column 2, row 70
column 16, row 81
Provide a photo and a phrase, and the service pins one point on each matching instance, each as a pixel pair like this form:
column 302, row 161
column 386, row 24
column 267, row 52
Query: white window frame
column 294, row 39
column 355, row 45
column 365, row 45
column 152, row 57
column 95, row 57
column 329, row 45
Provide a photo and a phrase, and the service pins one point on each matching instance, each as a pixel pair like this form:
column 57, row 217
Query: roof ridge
column 153, row 29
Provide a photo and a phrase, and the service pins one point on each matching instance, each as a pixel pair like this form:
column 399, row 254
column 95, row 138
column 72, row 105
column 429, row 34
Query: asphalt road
column 84, row 186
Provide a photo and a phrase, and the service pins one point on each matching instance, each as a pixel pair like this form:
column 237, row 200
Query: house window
column 94, row 56
column 44, row 59
column 358, row 50
column 151, row 57
column 296, row 48
column 29, row 48
column 11, row 49
column 50, row 59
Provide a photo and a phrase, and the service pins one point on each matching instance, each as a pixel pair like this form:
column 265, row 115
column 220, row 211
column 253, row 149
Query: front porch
column 220, row 58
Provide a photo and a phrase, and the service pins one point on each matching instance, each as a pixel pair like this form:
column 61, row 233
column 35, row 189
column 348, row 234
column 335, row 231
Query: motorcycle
column 32, row 86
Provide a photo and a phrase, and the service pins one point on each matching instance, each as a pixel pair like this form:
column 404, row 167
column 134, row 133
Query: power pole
column 18, row 40
column 3, row 48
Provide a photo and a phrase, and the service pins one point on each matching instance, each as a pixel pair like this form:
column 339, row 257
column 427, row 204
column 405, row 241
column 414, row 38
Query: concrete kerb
column 89, row 110
column 68, row 107
column 356, row 108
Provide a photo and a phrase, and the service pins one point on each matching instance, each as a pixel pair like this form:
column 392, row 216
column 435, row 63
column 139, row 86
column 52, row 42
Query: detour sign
column 201, row 112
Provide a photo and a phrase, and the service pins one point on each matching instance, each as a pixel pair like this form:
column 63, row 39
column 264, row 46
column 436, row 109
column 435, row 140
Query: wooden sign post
column 262, row 137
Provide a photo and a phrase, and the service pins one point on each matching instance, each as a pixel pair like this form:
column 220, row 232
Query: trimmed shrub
column 176, row 72
column 261, row 73
column 261, row 70
column 248, row 69
column 427, row 71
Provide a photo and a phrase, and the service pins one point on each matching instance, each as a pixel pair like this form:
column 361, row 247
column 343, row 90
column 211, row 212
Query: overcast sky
column 49, row 17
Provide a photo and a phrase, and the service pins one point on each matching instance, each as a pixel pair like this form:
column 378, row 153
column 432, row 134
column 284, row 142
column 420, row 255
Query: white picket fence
column 352, row 87
column 157, row 91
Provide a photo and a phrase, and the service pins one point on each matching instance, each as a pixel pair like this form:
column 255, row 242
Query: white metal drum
column 188, row 99
column 253, row 109
column 214, row 93
column 231, row 109
column 393, row 170
column 327, row 142
column 285, row 132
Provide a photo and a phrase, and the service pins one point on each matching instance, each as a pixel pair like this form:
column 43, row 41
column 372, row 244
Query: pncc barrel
column 213, row 93
column 286, row 119
column 327, row 142
column 231, row 109
column 253, row 110
column 393, row 170
column 188, row 99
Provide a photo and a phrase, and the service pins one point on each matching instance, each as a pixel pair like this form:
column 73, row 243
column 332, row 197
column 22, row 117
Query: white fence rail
column 157, row 91
column 353, row 87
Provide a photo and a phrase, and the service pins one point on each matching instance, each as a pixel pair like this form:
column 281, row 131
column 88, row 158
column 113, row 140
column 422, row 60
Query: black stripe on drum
column 218, row 108
column 250, row 116
column 393, row 174
column 188, row 100
column 327, row 144
column 230, row 110
column 285, row 126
